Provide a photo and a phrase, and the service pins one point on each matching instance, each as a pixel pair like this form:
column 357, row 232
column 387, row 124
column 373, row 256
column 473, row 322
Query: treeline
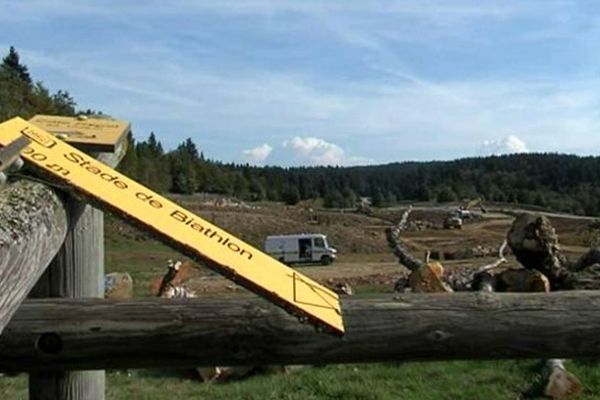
column 21, row 96
column 559, row 182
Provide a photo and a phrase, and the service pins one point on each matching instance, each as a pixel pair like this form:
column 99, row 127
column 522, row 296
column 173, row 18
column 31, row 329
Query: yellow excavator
column 465, row 208
column 455, row 221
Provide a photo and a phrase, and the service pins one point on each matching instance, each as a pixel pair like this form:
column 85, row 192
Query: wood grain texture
column 66, row 385
column 33, row 225
column 89, row 333
column 77, row 271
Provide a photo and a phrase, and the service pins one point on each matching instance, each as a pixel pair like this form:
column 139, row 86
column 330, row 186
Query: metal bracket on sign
column 9, row 155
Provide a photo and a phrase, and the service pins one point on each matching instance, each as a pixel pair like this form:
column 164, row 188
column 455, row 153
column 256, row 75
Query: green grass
column 144, row 260
column 493, row 380
column 373, row 288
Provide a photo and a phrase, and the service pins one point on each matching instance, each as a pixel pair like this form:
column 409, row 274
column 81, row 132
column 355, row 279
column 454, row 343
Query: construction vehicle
column 455, row 221
column 364, row 206
column 464, row 210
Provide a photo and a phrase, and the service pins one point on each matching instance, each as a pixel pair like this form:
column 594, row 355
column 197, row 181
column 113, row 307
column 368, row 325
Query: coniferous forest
column 559, row 182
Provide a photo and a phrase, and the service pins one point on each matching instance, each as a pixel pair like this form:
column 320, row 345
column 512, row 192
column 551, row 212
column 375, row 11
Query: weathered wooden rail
column 92, row 333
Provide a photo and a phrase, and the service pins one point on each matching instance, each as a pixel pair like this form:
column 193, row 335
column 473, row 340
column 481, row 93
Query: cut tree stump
column 534, row 242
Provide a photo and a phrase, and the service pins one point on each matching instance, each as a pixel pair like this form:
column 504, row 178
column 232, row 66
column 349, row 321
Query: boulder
column 118, row 285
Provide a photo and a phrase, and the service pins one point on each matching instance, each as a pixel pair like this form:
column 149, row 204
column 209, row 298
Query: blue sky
column 330, row 82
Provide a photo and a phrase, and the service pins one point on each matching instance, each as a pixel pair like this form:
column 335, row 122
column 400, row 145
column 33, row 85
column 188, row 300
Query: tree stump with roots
column 535, row 244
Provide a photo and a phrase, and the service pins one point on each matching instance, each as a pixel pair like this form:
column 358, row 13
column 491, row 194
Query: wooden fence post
column 77, row 271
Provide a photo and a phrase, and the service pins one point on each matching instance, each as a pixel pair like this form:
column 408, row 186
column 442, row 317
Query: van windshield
column 319, row 242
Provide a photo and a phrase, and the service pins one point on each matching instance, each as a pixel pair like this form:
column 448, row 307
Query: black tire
column 325, row 260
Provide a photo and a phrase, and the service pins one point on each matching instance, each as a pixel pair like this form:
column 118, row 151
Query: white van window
column 319, row 243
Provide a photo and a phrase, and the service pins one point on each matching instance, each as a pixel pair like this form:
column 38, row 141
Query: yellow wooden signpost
column 177, row 226
column 86, row 133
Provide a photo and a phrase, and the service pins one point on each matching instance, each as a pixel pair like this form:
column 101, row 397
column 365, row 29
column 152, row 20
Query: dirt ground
column 364, row 256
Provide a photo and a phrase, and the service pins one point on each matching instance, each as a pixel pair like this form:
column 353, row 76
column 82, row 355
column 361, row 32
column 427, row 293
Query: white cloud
column 258, row 155
column 385, row 107
column 508, row 145
column 316, row 151
column 407, row 118
column 304, row 146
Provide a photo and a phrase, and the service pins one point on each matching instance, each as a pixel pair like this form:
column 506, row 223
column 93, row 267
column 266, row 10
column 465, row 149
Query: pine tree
column 12, row 64
column 349, row 197
column 446, row 194
column 291, row 195
column 184, row 166
column 129, row 163
column 63, row 103
column 377, row 198
column 190, row 149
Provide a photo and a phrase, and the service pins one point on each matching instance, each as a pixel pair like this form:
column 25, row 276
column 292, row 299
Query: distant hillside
column 559, row 182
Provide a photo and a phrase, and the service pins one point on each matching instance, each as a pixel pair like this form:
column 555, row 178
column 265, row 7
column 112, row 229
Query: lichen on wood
column 22, row 204
column 33, row 225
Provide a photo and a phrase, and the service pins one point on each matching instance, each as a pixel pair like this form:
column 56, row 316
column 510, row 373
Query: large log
column 399, row 247
column 86, row 334
column 33, row 225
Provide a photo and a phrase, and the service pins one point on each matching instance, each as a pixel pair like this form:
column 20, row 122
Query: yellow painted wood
column 87, row 133
column 177, row 226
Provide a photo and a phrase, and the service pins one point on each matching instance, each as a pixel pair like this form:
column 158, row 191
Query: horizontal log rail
column 53, row 334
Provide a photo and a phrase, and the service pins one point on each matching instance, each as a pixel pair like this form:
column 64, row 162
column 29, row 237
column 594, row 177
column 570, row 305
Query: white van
column 302, row 248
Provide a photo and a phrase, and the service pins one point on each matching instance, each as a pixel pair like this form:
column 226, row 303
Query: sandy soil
column 365, row 258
